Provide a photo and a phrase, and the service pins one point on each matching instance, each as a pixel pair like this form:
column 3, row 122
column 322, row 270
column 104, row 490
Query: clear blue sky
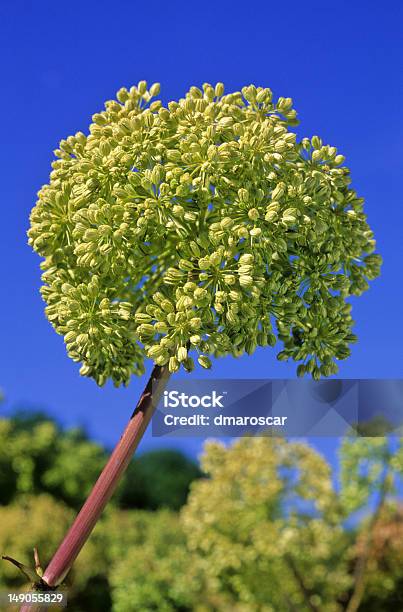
column 342, row 65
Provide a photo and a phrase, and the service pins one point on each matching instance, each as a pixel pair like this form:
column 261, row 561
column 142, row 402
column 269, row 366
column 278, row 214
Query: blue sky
column 342, row 65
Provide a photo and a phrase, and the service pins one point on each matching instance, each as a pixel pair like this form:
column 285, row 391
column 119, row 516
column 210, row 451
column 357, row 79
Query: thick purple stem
column 106, row 484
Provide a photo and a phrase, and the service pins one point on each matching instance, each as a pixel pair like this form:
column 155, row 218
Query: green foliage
column 74, row 468
column 154, row 572
column 268, row 507
column 158, row 479
column 41, row 521
column 204, row 226
column 37, row 456
column 268, row 528
column 266, row 531
column 367, row 466
column 384, row 588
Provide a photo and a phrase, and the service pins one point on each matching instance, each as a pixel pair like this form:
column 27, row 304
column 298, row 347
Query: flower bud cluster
column 201, row 227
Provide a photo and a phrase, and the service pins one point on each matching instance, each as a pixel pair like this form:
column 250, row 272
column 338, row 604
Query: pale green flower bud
column 200, row 293
column 196, row 92
column 246, row 259
column 235, row 295
column 194, row 247
column 174, row 275
column 250, row 346
column 142, row 87
column 195, row 339
column 161, row 327
column 271, row 215
column 173, row 364
column 156, row 351
column 255, row 232
column 226, row 222
column 219, row 90
column 316, row 142
column 215, row 259
column 182, row 353
column 195, row 323
column 278, row 192
column 243, row 194
column 190, row 287
column 185, row 265
column 284, row 104
column 245, row 281
column 167, row 306
column 167, row 342
column 253, row 214
column 122, row 95
column 339, row 159
column 178, row 210
column 155, row 89
column 155, row 106
column 70, row 336
column 316, row 373
column 162, row 360
column 146, row 329
column 229, row 279
column 205, row 362
column 100, row 119
column 243, row 232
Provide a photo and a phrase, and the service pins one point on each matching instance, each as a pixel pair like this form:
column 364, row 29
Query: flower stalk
column 106, row 484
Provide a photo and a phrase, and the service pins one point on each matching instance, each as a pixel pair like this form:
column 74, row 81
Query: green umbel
column 203, row 226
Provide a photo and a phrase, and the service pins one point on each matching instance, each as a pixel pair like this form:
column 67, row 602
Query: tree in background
column 266, row 531
column 38, row 456
column 269, row 529
column 156, row 571
column 45, row 473
column 370, row 467
column 158, row 479
column 204, row 226
column 384, row 584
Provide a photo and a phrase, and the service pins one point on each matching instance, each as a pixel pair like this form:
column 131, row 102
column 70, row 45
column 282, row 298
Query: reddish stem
column 106, row 484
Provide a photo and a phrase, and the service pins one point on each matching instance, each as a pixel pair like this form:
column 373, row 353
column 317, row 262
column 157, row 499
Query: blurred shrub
column 42, row 521
column 265, row 526
column 151, row 565
column 268, row 528
column 74, row 468
column 267, row 531
column 37, row 456
column 384, row 585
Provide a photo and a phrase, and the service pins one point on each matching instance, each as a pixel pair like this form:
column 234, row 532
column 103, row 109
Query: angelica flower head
column 204, row 227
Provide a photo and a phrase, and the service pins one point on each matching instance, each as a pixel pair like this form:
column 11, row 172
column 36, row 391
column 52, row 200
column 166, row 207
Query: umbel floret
column 202, row 227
